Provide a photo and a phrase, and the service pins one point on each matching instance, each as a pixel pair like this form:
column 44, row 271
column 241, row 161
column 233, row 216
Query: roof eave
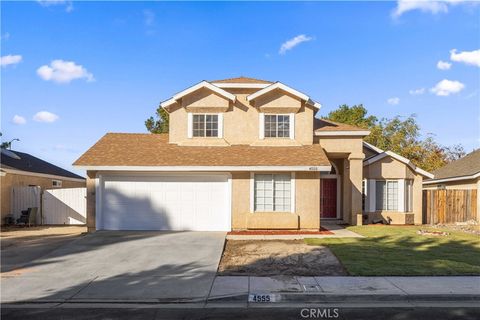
column 200, row 85
column 333, row 133
column 459, row 178
column 315, row 168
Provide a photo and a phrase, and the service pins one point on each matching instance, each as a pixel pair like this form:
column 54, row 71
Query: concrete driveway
column 120, row 266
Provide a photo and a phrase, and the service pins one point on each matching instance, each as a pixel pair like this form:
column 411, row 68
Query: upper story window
column 277, row 126
column 205, row 125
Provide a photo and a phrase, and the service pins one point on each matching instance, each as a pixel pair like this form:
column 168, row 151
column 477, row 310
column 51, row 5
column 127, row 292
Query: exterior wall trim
column 312, row 168
column 279, row 85
column 342, row 133
column 42, row 175
column 433, row 181
column 203, row 84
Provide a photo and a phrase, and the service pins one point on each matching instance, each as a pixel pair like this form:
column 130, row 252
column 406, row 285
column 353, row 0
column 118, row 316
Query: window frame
column 408, row 195
column 286, row 208
column 386, row 198
column 205, row 129
column 56, row 183
column 276, row 131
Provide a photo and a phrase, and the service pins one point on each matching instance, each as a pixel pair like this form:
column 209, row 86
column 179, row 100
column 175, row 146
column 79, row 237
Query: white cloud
column 19, row 119
column 447, row 87
column 425, row 6
column 148, row 17
column 292, row 43
column 416, row 92
column 443, row 65
column 63, row 72
column 430, row 6
column 467, row 57
column 5, row 36
column 47, row 3
column 393, row 101
column 10, row 59
column 45, row 116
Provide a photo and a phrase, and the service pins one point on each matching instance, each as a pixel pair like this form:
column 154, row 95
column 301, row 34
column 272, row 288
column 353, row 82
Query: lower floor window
column 409, row 196
column 387, row 195
column 272, row 192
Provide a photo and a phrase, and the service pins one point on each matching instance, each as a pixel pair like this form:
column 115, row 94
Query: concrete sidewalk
column 326, row 289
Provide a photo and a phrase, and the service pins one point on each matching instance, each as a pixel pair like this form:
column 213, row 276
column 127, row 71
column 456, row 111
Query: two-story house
column 245, row 154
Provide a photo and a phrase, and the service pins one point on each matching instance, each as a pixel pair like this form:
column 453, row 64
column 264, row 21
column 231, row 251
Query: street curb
column 319, row 298
column 279, row 298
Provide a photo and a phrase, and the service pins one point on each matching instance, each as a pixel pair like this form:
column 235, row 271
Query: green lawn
column 391, row 250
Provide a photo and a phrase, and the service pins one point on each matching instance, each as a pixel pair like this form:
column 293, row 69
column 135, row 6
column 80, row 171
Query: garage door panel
column 165, row 203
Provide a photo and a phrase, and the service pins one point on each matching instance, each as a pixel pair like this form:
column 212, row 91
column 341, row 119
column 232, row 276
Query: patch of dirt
column 470, row 226
column 278, row 257
column 22, row 236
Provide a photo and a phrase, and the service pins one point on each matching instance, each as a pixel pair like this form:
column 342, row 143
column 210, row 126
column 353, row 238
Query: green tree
column 400, row 136
column 355, row 115
column 159, row 123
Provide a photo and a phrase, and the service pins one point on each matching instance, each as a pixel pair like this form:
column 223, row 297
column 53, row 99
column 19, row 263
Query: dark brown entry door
column 328, row 198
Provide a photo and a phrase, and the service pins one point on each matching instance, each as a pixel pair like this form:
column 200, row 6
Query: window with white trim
column 272, row 192
column 57, row 183
column 277, row 126
column 205, row 125
column 386, row 195
column 409, row 196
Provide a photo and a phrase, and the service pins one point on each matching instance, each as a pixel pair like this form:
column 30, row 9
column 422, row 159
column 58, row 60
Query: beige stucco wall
column 343, row 145
column 13, row 180
column 240, row 119
column 390, row 168
column 307, row 205
column 272, row 101
column 204, row 98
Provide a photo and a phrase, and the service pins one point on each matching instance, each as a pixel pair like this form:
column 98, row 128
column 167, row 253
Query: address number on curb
column 262, row 298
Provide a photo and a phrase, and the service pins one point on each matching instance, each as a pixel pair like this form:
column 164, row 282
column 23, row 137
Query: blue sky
column 115, row 61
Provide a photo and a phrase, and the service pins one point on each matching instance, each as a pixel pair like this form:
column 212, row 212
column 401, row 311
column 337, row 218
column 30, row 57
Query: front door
column 328, row 198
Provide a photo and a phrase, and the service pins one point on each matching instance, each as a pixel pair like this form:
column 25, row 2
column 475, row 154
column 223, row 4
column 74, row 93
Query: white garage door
column 183, row 202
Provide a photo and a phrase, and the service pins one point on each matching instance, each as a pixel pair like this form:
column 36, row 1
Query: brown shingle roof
column 328, row 125
column 466, row 166
column 242, row 80
column 127, row 149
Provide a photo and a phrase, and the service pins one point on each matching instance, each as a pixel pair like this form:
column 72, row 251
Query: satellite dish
column 10, row 154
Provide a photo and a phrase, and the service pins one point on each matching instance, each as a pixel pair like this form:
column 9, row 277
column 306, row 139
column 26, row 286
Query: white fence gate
column 64, row 206
column 23, row 198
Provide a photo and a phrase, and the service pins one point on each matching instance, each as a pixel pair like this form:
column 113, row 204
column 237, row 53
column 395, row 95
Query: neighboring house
column 20, row 169
column 462, row 174
column 242, row 154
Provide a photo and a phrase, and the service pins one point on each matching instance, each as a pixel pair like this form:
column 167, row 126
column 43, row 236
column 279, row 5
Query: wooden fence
column 449, row 206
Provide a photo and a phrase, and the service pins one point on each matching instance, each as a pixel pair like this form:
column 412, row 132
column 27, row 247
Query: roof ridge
column 241, row 79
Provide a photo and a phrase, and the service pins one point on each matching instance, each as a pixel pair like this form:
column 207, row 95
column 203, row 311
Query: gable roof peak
column 241, row 79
